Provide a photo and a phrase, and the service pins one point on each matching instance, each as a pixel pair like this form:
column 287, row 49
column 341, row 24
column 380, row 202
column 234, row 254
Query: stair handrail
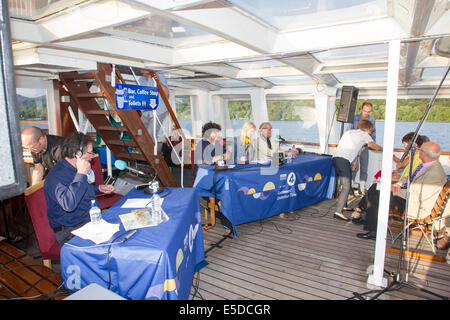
column 172, row 115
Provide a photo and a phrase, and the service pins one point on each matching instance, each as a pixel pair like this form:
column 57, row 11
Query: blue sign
column 133, row 97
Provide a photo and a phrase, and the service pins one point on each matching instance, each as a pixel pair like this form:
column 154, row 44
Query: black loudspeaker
column 347, row 106
column 13, row 180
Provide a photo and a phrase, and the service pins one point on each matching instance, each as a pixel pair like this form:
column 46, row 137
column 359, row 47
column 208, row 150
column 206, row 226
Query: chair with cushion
column 37, row 208
column 104, row 200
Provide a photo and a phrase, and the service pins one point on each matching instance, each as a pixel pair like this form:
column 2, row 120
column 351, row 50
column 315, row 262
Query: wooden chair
column 37, row 208
column 427, row 225
column 104, row 200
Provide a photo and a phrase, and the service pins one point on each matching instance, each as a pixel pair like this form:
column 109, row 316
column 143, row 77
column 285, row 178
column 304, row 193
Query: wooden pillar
column 67, row 126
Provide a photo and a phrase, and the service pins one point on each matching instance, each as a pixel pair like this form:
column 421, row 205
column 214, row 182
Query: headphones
column 79, row 153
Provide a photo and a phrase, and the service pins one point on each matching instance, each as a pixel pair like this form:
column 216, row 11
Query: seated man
column 69, row 187
column 266, row 147
column 425, row 184
column 45, row 150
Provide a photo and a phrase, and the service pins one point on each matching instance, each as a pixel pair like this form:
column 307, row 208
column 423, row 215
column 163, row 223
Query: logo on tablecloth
column 291, row 179
column 263, row 195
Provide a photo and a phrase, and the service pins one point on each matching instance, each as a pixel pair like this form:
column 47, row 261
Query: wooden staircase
column 139, row 145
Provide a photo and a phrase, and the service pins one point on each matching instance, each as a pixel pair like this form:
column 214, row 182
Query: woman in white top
column 245, row 146
column 346, row 153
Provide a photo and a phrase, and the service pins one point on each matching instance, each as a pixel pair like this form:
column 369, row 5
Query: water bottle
column 293, row 148
column 156, row 204
column 289, row 156
column 95, row 213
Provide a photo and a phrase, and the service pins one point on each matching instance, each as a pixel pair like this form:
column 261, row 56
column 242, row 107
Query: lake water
column 308, row 132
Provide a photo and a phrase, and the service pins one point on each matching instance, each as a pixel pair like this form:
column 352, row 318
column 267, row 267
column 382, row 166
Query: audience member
column 171, row 147
column 348, row 148
column 69, row 187
column 426, row 182
column 373, row 194
column 45, row 150
column 366, row 109
column 403, row 167
column 161, row 110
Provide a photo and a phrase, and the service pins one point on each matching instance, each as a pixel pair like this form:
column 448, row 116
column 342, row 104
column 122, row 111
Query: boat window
column 240, row 111
column 430, row 73
column 409, row 113
column 183, row 112
column 32, row 108
column 295, row 119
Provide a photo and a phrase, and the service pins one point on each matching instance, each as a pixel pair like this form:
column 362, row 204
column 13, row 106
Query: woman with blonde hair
column 246, row 146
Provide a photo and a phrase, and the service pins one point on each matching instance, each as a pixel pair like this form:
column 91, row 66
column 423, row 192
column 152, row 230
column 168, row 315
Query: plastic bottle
column 95, row 213
column 156, row 205
column 289, row 156
column 293, row 148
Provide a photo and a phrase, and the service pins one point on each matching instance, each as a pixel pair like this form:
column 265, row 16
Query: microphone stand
column 401, row 278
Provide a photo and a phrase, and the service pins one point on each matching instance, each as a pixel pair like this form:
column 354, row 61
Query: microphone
column 247, row 141
column 129, row 236
column 122, row 165
column 280, row 139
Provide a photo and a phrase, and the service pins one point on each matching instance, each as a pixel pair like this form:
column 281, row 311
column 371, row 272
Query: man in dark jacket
column 45, row 150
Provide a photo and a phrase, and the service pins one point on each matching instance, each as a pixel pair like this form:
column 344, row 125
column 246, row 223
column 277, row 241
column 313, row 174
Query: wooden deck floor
column 307, row 255
column 22, row 277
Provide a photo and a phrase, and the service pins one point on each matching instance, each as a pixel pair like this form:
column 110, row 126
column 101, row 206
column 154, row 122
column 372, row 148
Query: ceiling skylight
column 229, row 83
column 293, row 14
column 289, row 80
column 358, row 52
column 361, row 76
column 37, row 9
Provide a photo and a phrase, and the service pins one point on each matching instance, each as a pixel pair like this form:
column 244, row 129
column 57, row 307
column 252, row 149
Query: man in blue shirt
column 366, row 109
column 69, row 187
column 161, row 110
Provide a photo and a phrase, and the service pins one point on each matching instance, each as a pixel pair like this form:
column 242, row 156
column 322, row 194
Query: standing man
column 346, row 154
column 45, row 150
column 161, row 111
column 366, row 109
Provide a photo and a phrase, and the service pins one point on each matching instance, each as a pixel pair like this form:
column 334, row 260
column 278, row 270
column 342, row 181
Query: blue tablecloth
column 254, row 191
column 155, row 263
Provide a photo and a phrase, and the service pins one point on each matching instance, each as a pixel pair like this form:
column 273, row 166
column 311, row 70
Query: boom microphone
column 122, row 165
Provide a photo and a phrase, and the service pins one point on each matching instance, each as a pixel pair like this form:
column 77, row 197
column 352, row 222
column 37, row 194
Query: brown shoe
column 443, row 242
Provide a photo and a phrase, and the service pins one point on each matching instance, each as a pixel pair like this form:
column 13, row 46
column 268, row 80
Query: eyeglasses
column 90, row 153
column 32, row 146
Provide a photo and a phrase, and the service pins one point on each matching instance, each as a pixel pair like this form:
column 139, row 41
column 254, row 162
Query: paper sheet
column 99, row 232
column 139, row 203
column 136, row 203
